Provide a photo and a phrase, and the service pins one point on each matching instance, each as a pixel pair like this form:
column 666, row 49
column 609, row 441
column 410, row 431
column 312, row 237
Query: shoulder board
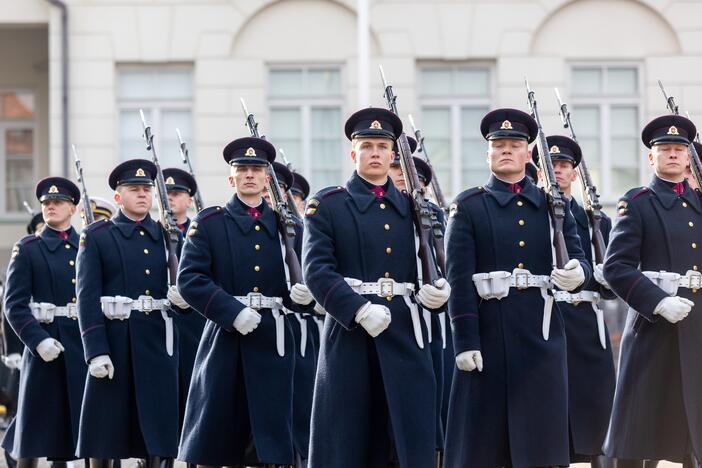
column 98, row 225
column 205, row 214
column 313, row 203
column 28, row 239
column 636, row 192
column 471, row 192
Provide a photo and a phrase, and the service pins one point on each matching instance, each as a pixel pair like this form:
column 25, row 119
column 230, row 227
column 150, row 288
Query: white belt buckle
column 255, row 300
column 146, row 303
column 72, row 311
column 576, row 299
column 521, row 280
column 695, row 279
column 386, row 287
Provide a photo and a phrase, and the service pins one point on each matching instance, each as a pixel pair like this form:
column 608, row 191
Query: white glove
column 468, row 361
column 49, row 349
column 101, row 367
column 319, row 309
column 247, row 320
column 175, row 298
column 436, row 295
column 300, row 294
column 374, row 318
column 673, row 309
column 569, row 277
column 598, row 273
column 12, row 361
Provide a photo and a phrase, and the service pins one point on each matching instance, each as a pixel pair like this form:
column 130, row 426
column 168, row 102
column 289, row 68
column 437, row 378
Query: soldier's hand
column 49, row 349
column 569, row 277
column 373, row 318
column 12, row 361
column 247, row 320
column 598, row 273
column 300, row 294
column 433, row 296
column 468, row 361
column 101, row 367
column 175, row 298
column 674, row 309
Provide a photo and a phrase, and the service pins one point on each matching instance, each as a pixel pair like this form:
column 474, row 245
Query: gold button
column 684, row 205
column 387, row 227
column 694, row 291
column 520, row 203
column 147, row 292
column 694, row 245
column 389, row 298
column 146, row 251
column 257, row 268
column 68, row 246
column 521, row 222
column 382, row 206
column 520, row 265
column 255, row 289
column 388, row 250
column 690, row 223
column 147, row 271
column 694, row 267
column 522, row 243
column 257, row 227
column 387, row 274
column 141, row 232
column 257, row 247
column 73, row 300
column 73, row 280
column 71, row 262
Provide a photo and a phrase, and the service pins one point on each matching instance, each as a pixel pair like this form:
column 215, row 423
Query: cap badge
column 673, row 130
column 506, row 125
column 554, row 149
column 170, row 181
column 53, row 189
column 250, row 152
column 375, row 125
column 140, row 173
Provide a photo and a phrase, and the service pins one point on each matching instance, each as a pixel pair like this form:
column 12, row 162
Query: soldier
column 514, row 410
column 591, row 376
column 688, row 171
column 40, row 306
column 653, row 264
column 240, row 403
column 181, row 188
column 300, row 191
column 375, row 392
column 102, row 209
column 130, row 406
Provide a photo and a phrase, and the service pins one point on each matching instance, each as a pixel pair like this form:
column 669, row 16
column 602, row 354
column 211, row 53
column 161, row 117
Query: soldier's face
column 565, row 174
column 248, row 180
column 134, row 200
column 507, row 157
column 267, row 196
column 57, row 213
column 669, row 160
column 179, row 202
column 372, row 157
column 397, row 176
column 299, row 202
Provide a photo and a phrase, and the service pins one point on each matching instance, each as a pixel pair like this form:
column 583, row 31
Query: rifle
column 87, row 204
column 591, row 198
column 286, row 223
column 185, row 154
column 697, row 135
column 28, row 208
column 164, row 208
column 695, row 164
column 423, row 213
column 435, row 186
column 293, row 207
column 556, row 204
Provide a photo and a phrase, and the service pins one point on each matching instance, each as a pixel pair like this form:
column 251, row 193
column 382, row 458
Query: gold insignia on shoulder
column 170, row 181
column 250, row 152
column 193, row 225
column 453, row 209
column 375, row 125
column 53, row 189
column 673, row 130
column 621, row 207
column 140, row 173
column 554, row 149
column 192, row 232
column 506, row 125
column 311, row 207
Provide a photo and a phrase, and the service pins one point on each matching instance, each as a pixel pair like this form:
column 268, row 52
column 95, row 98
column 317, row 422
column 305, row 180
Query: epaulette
column 206, row 213
column 471, row 192
column 313, row 203
column 28, row 239
column 92, row 227
column 635, row 192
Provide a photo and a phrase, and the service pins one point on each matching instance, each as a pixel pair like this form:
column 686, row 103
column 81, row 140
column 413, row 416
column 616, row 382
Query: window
column 454, row 98
column 166, row 96
column 606, row 113
column 306, row 120
column 17, row 149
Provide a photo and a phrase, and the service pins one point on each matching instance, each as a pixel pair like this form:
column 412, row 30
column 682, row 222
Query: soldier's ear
column 232, row 181
column 650, row 157
column 117, row 197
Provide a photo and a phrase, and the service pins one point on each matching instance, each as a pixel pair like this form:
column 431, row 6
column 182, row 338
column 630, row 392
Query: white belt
column 389, row 288
column 594, row 299
column 45, row 312
column 258, row 301
column 496, row 285
column 670, row 281
column 121, row 307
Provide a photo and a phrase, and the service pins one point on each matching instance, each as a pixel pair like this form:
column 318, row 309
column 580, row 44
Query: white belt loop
column 669, row 282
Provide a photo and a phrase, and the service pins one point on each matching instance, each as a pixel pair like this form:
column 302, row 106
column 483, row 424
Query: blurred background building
column 77, row 71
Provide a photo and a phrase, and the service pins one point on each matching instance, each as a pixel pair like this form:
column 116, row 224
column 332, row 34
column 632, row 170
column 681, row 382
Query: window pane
column 323, row 82
column 475, row 168
column 326, row 147
column 472, row 82
column 622, row 81
column 588, row 133
column 169, row 149
column 286, row 133
column 625, row 152
column 587, row 81
column 285, row 83
column 436, row 82
column 19, row 175
column 153, row 84
column 436, row 123
column 624, row 120
column 16, row 105
column 624, row 180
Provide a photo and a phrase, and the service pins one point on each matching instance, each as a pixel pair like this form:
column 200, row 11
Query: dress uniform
column 514, row 411
column 652, row 263
column 131, row 409
column 591, row 377
column 375, row 392
column 40, row 305
column 240, row 403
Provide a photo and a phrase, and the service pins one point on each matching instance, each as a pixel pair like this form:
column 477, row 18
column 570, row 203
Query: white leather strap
column 576, row 298
column 45, row 312
column 384, row 287
column 258, row 301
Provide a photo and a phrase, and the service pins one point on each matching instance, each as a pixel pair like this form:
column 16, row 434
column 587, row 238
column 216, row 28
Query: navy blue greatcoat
column 514, row 412
column 42, row 269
